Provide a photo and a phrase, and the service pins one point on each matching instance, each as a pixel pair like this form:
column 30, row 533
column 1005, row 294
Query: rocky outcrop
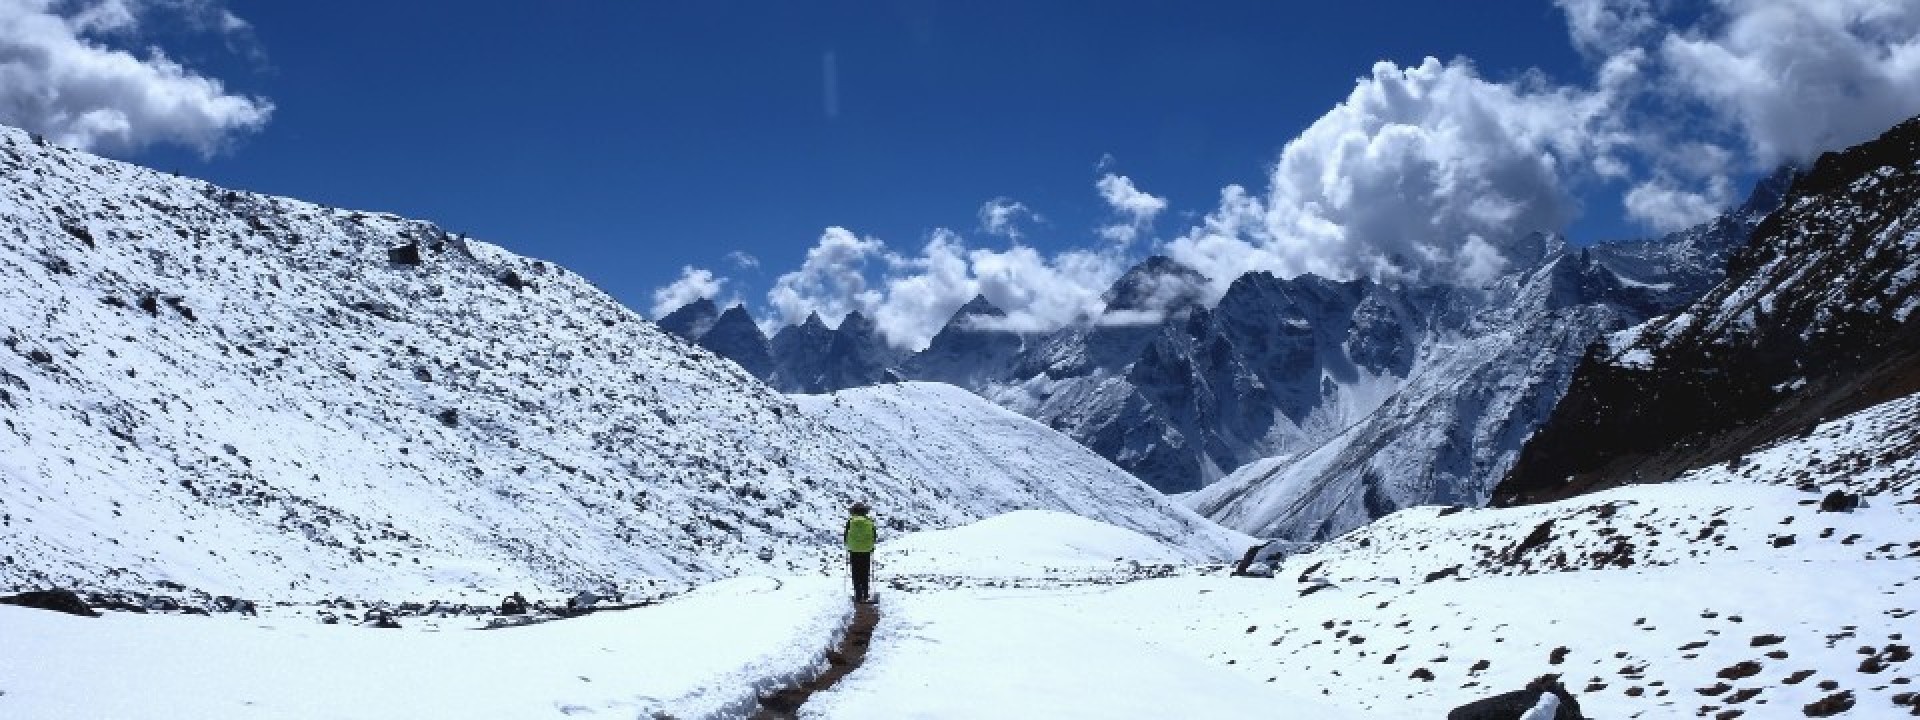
column 1815, row 319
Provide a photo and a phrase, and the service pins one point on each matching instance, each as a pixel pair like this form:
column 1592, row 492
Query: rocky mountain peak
column 737, row 337
column 692, row 320
column 1158, row 283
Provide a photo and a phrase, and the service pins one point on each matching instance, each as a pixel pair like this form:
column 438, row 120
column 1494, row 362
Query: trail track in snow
column 847, row 655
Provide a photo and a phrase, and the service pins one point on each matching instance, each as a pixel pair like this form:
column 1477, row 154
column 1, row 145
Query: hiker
column 860, row 537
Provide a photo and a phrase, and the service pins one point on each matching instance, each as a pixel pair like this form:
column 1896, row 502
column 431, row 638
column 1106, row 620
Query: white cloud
column 60, row 79
column 1137, row 207
column 1744, row 87
column 1422, row 172
column 832, row 281
column 1607, row 26
column 922, row 293
column 693, row 284
column 1665, row 207
column 917, row 294
column 1798, row 77
column 1430, row 171
column 743, row 260
column 1003, row 217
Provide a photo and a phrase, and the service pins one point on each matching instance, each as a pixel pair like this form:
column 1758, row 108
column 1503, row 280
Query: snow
column 1645, row 628
column 214, row 392
column 1019, row 655
column 704, row 654
column 1545, row 709
column 1024, row 543
column 1668, row 600
column 999, row 461
column 248, row 395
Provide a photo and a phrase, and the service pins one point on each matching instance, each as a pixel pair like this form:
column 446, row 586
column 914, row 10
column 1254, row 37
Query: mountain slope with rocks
column 248, row 395
column 1816, row 319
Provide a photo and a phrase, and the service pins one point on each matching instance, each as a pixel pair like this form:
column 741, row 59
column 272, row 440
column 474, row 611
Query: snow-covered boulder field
column 206, row 392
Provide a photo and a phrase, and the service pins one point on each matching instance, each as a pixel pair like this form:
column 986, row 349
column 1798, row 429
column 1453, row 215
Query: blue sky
column 628, row 140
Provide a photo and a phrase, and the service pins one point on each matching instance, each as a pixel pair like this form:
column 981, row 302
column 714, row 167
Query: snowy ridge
column 257, row 396
column 997, row 461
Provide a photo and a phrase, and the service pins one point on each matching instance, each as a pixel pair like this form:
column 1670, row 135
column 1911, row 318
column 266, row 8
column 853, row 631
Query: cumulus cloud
column 1746, row 86
column 1605, row 27
column 1136, row 207
column 1430, row 172
column 60, row 78
column 832, row 281
column 1661, row 204
column 693, row 284
column 1003, row 217
column 1422, row 172
column 918, row 293
column 1798, row 77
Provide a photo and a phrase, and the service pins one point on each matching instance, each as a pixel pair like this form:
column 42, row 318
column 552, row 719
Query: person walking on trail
column 860, row 537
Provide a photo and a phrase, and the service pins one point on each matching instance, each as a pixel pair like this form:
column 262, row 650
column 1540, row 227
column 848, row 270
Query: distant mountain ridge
column 1301, row 407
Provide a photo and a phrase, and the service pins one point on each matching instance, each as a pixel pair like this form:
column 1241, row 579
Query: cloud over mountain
column 1431, row 170
column 61, row 76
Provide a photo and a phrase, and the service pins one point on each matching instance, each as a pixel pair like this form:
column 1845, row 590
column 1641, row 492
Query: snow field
column 1031, row 654
column 704, row 654
column 1021, row 544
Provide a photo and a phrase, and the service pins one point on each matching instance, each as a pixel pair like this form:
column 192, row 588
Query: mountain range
column 1291, row 407
column 1815, row 320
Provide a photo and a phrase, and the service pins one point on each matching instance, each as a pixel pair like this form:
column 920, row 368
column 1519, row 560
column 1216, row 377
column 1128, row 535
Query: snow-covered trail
column 705, row 654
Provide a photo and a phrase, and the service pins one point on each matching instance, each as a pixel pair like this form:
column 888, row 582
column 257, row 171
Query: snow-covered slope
column 1728, row 593
column 706, row 654
column 1737, row 591
column 1667, row 598
column 991, row 460
column 257, row 396
column 1815, row 319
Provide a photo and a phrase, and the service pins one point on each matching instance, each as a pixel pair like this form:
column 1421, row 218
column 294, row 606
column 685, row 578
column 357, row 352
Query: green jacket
column 860, row 534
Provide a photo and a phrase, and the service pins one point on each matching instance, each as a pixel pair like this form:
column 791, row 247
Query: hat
column 859, row 508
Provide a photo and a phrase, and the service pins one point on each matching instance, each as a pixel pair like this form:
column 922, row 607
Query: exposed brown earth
column 843, row 658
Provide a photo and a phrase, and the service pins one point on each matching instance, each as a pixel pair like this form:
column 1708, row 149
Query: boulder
column 1839, row 501
column 57, row 600
column 1519, row 703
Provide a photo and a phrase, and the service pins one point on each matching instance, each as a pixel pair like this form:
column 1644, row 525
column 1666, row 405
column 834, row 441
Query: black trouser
column 862, row 572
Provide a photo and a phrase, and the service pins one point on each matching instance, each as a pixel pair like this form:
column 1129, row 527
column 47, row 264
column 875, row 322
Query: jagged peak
column 978, row 306
column 1156, row 283
column 736, row 319
column 855, row 322
column 691, row 320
